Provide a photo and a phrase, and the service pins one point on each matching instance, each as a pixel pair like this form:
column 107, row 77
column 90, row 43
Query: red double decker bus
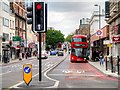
column 79, row 47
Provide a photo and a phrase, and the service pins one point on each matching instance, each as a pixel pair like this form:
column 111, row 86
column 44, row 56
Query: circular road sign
column 27, row 70
column 99, row 32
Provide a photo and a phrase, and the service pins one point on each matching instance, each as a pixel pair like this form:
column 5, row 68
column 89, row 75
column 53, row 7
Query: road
column 13, row 73
column 81, row 75
column 64, row 75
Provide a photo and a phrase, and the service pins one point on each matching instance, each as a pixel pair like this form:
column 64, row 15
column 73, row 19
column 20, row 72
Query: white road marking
column 5, row 73
column 14, row 67
column 56, row 81
column 72, row 75
column 79, row 71
column 73, row 71
column 16, row 85
column 45, row 74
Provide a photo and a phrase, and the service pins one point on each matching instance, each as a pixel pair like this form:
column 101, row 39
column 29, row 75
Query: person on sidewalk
column 94, row 55
column 97, row 55
column 101, row 58
column 23, row 55
column 20, row 58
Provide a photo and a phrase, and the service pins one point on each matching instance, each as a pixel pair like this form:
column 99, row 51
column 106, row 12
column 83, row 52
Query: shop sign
column 106, row 42
column 116, row 39
column 16, row 38
column 116, row 28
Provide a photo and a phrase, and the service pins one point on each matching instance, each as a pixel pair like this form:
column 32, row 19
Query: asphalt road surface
column 81, row 75
column 13, row 73
column 65, row 75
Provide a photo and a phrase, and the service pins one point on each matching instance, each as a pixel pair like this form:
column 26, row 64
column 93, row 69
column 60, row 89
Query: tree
column 69, row 37
column 53, row 37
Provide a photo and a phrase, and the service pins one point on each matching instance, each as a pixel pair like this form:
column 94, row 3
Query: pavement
column 16, row 60
column 102, row 68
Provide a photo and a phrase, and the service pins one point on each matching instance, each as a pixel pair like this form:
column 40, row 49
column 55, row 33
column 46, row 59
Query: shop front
column 116, row 46
column 0, row 48
column 97, row 42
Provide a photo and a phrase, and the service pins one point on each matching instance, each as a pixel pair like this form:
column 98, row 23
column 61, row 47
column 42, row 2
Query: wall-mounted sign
column 99, row 33
column 116, row 39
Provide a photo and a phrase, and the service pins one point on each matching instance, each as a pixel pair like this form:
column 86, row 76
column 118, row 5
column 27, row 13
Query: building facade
column 0, row 31
column 84, row 28
column 96, row 42
column 7, row 27
column 19, row 10
column 114, row 24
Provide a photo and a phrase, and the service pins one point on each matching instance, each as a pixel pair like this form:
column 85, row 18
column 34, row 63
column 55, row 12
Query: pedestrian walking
column 94, row 55
column 22, row 54
column 97, row 55
column 101, row 58
column 20, row 58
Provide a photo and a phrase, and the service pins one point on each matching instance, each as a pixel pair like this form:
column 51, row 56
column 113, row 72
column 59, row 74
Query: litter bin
column 6, row 56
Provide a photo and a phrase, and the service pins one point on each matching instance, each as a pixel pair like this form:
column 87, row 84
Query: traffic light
column 30, row 14
column 39, row 16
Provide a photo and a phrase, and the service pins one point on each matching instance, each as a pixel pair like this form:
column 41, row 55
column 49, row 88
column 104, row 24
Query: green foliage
column 53, row 37
column 69, row 37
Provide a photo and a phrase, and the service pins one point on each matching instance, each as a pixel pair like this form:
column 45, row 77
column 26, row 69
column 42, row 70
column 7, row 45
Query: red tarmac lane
column 81, row 75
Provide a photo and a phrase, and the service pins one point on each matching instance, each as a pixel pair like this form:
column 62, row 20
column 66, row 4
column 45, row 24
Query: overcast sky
column 65, row 15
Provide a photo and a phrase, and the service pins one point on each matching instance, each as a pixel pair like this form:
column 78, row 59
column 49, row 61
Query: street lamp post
column 99, row 24
column 99, row 15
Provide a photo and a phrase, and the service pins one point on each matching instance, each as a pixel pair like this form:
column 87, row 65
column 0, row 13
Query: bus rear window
column 79, row 39
column 79, row 52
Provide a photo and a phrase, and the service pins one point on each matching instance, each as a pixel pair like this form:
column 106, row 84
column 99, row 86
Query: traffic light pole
column 40, row 71
column 37, row 16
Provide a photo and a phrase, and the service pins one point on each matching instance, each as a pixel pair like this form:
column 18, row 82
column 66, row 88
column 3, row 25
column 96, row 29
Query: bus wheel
column 72, row 61
column 86, row 61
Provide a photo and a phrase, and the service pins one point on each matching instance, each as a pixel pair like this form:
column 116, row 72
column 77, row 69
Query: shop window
column 5, row 36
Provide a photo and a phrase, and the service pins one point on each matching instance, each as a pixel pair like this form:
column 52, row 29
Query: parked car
column 53, row 52
column 43, row 55
column 60, row 53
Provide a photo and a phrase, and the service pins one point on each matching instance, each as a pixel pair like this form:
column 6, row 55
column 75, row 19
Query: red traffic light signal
column 38, row 6
column 40, row 9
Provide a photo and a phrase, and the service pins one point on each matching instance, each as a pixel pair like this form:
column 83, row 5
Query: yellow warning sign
column 27, row 73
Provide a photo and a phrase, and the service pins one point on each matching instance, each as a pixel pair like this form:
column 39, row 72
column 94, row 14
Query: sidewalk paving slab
column 102, row 68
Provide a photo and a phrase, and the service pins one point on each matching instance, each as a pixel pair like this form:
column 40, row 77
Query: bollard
column 118, row 65
column 106, row 62
column 111, row 64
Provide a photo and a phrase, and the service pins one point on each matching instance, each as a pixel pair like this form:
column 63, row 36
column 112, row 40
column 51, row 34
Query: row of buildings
column 108, row 22
column 15, row 35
